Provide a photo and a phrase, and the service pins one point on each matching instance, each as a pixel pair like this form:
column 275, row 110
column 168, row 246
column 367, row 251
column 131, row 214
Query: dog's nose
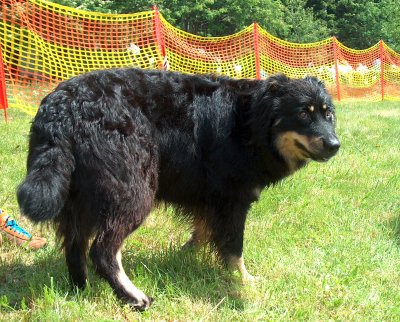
column 331, row 145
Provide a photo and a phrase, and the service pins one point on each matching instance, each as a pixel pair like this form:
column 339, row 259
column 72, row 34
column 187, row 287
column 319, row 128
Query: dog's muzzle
column 329, row 147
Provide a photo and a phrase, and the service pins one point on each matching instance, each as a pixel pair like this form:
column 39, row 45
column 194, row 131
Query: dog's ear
column 314, row 80
column 276, row 82
column 265, row 105
column 273, row 87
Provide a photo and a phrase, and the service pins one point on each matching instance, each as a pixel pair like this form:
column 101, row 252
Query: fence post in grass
column 381, row 57
column 335, row 58
column 256, row 50
column 159, row 38
column 3, row 91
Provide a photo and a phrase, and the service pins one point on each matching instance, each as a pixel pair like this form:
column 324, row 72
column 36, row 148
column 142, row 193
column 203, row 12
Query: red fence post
column 335, row 58
column 3, row 91
column 381, row 57
column 159, row 37
column 256, row 50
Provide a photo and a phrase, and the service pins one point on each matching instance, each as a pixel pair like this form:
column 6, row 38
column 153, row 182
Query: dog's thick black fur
column 105, row 146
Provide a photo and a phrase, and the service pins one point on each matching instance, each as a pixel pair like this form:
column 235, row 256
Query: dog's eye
column 304, row 115
column 329, row 115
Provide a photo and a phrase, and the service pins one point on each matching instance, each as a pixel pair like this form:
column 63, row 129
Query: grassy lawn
column 325, row 243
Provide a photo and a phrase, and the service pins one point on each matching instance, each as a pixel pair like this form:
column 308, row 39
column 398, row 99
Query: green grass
column 325, row 242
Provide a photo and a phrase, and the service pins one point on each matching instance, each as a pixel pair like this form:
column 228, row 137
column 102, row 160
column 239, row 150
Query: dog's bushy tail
column 42, row 194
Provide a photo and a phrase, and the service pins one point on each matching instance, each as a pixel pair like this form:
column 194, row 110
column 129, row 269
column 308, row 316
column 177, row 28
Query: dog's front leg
column 227, row 236
column 236, row 262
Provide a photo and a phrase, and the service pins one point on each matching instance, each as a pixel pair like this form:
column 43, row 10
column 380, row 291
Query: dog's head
column 302, row 121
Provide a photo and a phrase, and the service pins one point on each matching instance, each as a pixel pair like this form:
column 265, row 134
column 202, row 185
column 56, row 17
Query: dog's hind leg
column 106, row 256
column 75, row 255
column 75, row 244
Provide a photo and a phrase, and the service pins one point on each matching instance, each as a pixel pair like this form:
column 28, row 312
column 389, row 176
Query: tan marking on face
column 324, row 106
column 311, row 108
column 236, row 262
column 291, row 153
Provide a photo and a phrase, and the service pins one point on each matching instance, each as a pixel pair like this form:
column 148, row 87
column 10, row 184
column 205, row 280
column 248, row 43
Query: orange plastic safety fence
column 43, row 43
column 233, row 55
column 297, row 60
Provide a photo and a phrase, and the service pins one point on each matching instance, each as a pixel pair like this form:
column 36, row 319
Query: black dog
column 106, row 145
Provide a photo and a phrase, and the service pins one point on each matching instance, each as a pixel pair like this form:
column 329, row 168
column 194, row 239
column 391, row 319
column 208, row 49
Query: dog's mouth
column 317, row 150
column 320, row 159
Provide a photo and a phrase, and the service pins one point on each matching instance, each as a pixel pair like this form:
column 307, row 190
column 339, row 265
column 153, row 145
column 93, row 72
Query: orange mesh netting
column 43, row 43
column 231, row 55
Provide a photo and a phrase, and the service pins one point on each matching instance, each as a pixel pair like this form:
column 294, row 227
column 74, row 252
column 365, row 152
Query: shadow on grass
column 174, row 273
column 20, row 280
column 394, row 226
column 188, row 273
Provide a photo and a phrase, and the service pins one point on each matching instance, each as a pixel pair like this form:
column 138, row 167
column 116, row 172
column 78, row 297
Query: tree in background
column 302, row 25
column 391, row 24
column 222, row 17
column 201, row 17
column 356, row 23
column 360, row 24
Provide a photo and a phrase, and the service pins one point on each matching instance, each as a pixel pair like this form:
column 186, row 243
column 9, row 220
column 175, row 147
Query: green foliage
column 391, row 24
column 103, row 6
column 301, row 24
column 360, row 24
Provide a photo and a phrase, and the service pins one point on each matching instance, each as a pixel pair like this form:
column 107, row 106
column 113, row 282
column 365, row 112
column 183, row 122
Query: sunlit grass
column 325, row 242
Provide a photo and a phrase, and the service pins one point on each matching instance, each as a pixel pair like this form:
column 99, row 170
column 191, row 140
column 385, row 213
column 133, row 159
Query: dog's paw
column 141, row 304
column 248, row 279
column 190, row 244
